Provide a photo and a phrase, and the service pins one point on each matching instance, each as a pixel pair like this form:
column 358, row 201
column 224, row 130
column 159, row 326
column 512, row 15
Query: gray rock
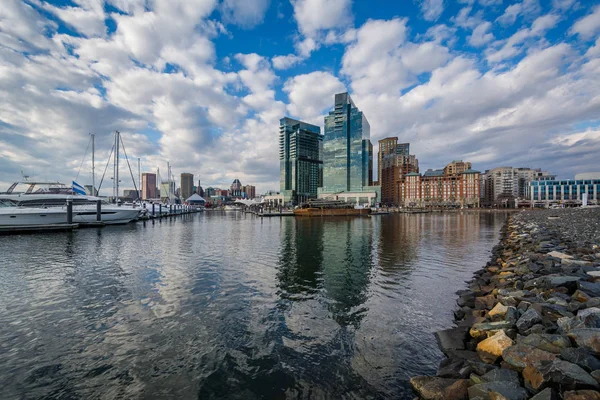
column 539, row 375
column 501, row 375
column 512, row 315
column 451, row 339
column 590, row 288
column 546, row 394
column 588, row 338
column 547, row 342
column 523, row 306
column 521, row 355
column 528, row 319
column 596, row 375
column 581, row 357
column 510, row 390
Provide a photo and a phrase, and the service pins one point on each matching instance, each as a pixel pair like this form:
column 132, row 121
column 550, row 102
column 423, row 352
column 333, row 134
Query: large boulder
column 581, row 357
column 490, row 349
column 546, row 342
column 485, row 302
column 559, row 373
column 520, row 355
column 528, row 319
column 486, row 329
column 501, row 375
column 546, row 394
column 582, row 395
column 590, row 288
column 431, row 387
column 452, row 339
column 509, row 390
column 498, row 312
column 588, row 338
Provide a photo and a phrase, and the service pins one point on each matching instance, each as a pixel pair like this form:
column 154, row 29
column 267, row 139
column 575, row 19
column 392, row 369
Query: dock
column 17, row 229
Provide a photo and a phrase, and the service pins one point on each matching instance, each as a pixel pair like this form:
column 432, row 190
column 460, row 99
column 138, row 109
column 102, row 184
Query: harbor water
column 226, row 305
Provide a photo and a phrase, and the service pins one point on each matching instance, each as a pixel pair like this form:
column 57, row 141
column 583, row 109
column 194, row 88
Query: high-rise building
column 347, row 148
column 235, row 189
column 300, row 160
column 199, row 189
column 149, row 186
column 389, row 146
column 249, row 191
column 187, row 185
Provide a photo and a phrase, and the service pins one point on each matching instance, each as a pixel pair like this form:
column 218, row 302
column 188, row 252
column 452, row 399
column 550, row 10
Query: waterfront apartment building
column 440, row 189
column 300, row 160
column 389, row 146
column 568, row 192
column 149, row 190
column 503, row 185
column 348, row 154
column 187, row 185
column 393, row 170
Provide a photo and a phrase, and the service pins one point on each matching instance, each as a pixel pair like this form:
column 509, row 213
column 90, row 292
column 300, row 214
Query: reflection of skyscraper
column 347, row 261
column 301, row 256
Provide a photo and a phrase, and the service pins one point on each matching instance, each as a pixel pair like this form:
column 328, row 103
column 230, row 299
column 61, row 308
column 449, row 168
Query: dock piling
column 69, row 211
column 98, row 210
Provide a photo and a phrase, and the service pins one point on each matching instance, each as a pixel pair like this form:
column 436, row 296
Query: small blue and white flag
column 77, row 188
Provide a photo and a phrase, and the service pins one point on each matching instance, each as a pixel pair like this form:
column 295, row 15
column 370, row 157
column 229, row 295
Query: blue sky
column 203, row 83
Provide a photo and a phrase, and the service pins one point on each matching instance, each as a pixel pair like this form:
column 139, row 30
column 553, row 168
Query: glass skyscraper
column 301, row 163
column 347, row 148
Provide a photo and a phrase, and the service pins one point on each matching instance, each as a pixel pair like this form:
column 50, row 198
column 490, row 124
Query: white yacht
column 12, row 215
column 84, row 207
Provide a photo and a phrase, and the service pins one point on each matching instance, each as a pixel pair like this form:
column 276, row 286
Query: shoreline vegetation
column 528, row 326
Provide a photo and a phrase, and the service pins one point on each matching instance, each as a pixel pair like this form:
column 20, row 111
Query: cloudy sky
column 203, row 83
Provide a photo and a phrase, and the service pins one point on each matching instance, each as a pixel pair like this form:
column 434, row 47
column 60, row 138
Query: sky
column 202, row 84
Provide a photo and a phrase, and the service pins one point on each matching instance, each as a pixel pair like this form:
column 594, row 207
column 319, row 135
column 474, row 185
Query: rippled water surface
column 226, row 305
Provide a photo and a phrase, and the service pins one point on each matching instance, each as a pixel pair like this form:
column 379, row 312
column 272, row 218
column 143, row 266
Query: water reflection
column 231, row 306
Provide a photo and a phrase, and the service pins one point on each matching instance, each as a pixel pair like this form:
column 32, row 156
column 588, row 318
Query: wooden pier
column 18, row 229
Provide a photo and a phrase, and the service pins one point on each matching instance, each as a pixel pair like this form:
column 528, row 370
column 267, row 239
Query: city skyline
column 494, row 82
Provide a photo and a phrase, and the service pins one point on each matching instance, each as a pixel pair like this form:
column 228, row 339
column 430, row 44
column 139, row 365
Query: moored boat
column 330, row 208
column 11, row 215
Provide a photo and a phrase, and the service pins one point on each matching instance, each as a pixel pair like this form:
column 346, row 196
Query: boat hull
column 110, row 215
column 32, row 217
column 331, row 212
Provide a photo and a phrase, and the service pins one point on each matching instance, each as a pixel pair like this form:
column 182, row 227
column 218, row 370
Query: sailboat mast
column 139, row 180
column 93, row 168
column 118, row 139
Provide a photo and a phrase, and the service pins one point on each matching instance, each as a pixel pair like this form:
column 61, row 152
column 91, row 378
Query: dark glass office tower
column 347, row 148
column 301, row 165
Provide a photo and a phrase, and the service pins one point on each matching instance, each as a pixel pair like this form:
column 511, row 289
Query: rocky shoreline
column 528, row 326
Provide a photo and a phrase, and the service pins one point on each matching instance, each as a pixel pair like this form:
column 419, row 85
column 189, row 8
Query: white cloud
column 22, row 28
column 380, row 60
column 319, row 21
column 464, row 20
column 515, row 44
column 589, row 135
column 526, row 8
column 481, row 35
column 285, row 62
column 441, row 33
column 587, row 26
column 311, row 94
column 314, row 16
column 246, row 13
column 432, row 9
column 87, row 17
